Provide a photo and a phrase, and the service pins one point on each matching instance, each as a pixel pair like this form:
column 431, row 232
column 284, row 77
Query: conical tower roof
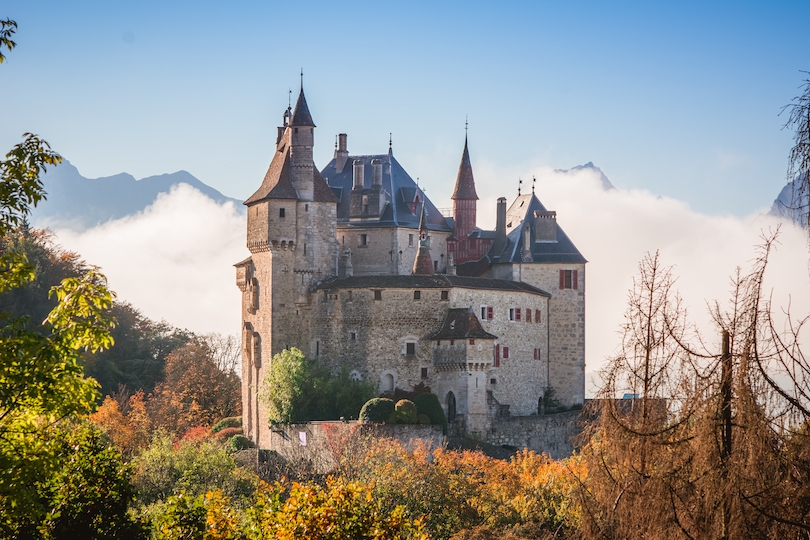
column 465, row 183
column 301, row 116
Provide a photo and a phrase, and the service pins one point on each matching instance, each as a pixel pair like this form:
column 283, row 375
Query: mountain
column 79, row 203
column 606, row 185
column 791, row 203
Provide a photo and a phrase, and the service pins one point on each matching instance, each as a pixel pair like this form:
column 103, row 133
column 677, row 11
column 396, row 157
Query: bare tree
column 799, row 158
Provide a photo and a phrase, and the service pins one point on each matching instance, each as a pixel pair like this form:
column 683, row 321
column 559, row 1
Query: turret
column 302, row 169
column 464, row 197
column 423, row 263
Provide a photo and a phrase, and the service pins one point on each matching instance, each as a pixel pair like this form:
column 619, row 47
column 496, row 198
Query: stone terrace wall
column 550, row 433
column 319, row 446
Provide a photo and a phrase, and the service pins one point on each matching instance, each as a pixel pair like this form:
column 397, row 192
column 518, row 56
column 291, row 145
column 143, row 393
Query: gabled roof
column 301, row 116
column 400, row 193
column 461, row 323
column 465, row 183
column 522, row 209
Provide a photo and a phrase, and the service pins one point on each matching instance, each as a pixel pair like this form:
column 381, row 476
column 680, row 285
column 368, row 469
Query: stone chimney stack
column 341, row 154
column 526, row 254
column 545, row 226
column 376, row 174
column 500, row 220
column 359, row 169
column 451, row 265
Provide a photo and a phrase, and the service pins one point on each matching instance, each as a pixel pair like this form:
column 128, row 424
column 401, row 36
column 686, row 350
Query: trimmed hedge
column 239, row 442
column 377, row 410
column 230, row 422
column 406, row 411
column 423, row 419
column 227, row 433
column 428, row 404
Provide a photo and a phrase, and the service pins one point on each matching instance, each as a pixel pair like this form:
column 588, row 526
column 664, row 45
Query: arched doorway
column 451, row 406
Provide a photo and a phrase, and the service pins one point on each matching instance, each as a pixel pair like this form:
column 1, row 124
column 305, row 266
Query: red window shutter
column 537, row 315
column 528, row 315
column 539, row 354
column 562, row 279
column 517, row 314
column 535, row 353
column 497, row 356
column 574, row 286
column 489, row 312
column 506, row 352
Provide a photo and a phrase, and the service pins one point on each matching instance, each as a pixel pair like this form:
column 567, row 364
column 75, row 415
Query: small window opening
column 472, row 342
column 378, row 295
column 352, row 335
column 511, row 314
column 417, row 295
column 445, row 295
column 424, row 372
column 282, row 212
column 410, row 240
column 410, row 348
column 363, row 239
column 306, row 208
column 493, row 381
column 435, row 265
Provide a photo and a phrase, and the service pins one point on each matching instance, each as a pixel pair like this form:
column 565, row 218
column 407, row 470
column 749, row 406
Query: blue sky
column 681, row 99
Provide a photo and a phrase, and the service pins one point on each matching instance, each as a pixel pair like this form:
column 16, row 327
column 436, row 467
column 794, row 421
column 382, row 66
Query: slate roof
column 277, row 183
column 301, row 116
column 435, row 281
column 465, row 183
column 400, row 193
column 461, row 323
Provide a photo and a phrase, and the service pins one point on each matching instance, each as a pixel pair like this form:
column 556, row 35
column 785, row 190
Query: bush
column 239, row 442
column 227, row 433
column 377, row 410
column 230, row 422
column 428, row 404
column 406, row 412
column 422, row 419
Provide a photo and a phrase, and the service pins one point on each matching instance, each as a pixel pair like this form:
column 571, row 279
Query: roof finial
column 336, row 138
column 302, row 79
column 520, row 183
column 466, row 124
column 289, row 98
column 534, row 181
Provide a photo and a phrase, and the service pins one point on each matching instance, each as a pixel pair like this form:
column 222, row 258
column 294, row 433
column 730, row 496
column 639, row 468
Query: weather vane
column 466, row 124
column 520, row 183
column 534, row 181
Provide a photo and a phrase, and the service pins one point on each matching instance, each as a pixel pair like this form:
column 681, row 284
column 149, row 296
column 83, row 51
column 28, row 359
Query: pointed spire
column 301, row 116
column 422, row 220
column 465, row 183
column 423, row 264
column 390, row 147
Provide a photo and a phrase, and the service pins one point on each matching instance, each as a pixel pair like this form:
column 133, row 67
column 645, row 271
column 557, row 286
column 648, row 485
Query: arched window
column 451, row 406
column 387, row 382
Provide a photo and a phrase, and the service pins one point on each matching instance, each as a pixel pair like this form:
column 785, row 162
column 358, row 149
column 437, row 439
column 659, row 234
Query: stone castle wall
column 553, row 434
column 381, row 253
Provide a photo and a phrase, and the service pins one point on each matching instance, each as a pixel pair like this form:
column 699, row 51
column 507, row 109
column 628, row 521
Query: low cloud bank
column 614, row 228
column 174, row 260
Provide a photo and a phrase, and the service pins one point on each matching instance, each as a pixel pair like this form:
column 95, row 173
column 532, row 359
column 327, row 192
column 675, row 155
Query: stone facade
column 354, row 266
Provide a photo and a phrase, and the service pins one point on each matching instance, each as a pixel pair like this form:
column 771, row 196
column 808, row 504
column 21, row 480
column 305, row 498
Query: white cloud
column 174, row 260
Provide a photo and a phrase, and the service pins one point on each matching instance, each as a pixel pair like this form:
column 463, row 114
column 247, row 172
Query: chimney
column 451, row 265
column 346, row 268
column 500, row 229
column 376, row 173
column 279, row 136
column 526, row 254
column 359, row 169
column 545, row 226
column 341, row 154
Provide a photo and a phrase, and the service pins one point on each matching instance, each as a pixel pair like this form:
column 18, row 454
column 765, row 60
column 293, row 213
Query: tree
column 195, row 391
column 799, row 157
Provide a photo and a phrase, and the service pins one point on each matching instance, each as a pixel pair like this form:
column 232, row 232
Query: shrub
column 230, row 422
column 422, row 419
column 227, row 433
column 406, row 412
column 428, row 404
column 239, row 442
column 377, row 410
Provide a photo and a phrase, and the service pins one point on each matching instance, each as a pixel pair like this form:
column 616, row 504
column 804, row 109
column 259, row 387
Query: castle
column 356, row 267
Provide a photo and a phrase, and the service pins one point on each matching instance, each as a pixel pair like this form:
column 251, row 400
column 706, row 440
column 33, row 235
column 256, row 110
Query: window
column 490, row 313
column 452, row 342
column 538, row 354
column 317, row 348
column 483, row 313
column 343, row 240
column 517, row 314
column 528, row 315
column 306, row 208
column 451, row 406
column 417, row 295
column 511, row 314
column 352, row 335
column 497, row 356
column 505, row 352
column 445, row 295
column 363, row 239
column 377, row 295
column 305, row 248
column 424, row 372
column 410, row 240
column 537, row 315
column 435, row 266
column 569, row 279
column 472, row 342
column 410, row 348
column 282, row 212
column 348, row 296
column 493, row 381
